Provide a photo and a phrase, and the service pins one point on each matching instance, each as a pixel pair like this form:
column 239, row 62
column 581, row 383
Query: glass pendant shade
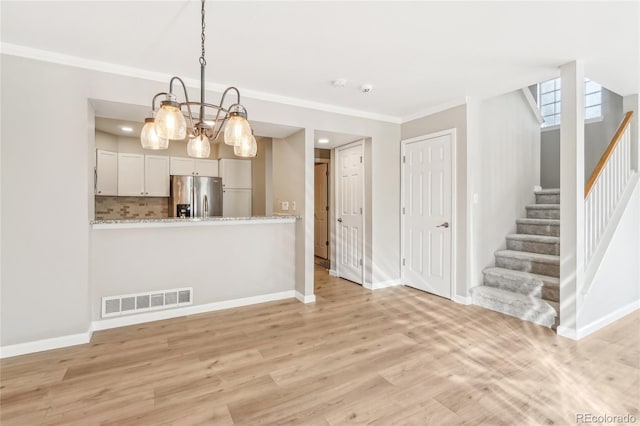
column 199, row 147
column 248, row 147
column 169, row 122
column 236, row 130
column 150, row 139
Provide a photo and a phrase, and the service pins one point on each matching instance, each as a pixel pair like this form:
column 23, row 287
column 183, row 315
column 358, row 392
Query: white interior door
column 427, row 207
column 350, row 226
column 321, row 241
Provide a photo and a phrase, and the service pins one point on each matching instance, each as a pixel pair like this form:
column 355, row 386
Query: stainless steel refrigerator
column 195, row 196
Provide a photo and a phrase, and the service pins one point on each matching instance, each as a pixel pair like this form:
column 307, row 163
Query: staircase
column 525, row 281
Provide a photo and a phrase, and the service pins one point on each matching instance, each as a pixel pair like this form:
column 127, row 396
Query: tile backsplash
column 131, row 207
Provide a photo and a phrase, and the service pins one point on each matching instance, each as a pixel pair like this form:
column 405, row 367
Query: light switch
column 285, row 205
column 293, row 205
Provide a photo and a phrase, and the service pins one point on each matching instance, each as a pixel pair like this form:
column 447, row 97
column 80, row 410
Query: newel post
column 572, row 180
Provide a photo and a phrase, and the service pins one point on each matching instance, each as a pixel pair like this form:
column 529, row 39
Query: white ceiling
column 335, row 139
column 417, row 55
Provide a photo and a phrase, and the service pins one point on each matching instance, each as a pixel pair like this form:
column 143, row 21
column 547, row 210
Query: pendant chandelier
column 175, row 121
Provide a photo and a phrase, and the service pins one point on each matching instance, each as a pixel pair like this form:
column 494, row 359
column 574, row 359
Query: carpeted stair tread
column 543, row 206
column 516, row 305
column 527, row 277
column 549, row 191
column 528, row 256
column 530, row 221
column 547, row 239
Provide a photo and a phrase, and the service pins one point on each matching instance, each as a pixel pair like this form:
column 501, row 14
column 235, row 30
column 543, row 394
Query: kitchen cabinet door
column 156, row 176
column 236, row 202
column 183, row 166
column 106, row 178
column 235, row 173
column 207, row 168
column 131, row 175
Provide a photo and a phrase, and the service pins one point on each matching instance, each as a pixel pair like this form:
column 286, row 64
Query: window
column 549, row 101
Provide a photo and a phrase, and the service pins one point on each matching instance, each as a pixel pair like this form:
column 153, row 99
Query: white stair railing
column 606, row 185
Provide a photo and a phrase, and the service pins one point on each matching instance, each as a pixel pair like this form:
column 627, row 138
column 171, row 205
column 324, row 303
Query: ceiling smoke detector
column 340, row 82
column 366, row 88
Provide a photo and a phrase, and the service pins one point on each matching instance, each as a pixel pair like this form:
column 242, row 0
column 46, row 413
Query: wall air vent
column 126, row 304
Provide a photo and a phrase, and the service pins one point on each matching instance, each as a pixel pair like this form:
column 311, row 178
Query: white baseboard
column 333, row 272
column 310, row 298
column 104, row 324
column 600, row 323
column 46, row 344
column 462, row 300
column 382, row 284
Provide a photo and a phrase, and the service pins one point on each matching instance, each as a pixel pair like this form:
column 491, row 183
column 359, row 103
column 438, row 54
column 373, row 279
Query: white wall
column 289, row 185
column 503, row 148
column 45, row 207
column 221, row 263
column 616, row 284
column 51, row 300
column 454, row 118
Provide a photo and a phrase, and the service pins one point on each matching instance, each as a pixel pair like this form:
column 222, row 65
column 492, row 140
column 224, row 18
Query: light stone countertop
column 173, row 222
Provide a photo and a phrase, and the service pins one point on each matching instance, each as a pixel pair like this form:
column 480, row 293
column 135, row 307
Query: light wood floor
column 393, row 356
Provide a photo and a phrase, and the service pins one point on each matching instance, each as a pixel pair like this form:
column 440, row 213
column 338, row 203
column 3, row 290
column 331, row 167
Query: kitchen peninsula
column 149, row 269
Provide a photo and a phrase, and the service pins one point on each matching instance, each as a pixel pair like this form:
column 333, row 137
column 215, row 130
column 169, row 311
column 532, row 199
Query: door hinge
column 360, row 210
column 360, row 262
column 361, row 158
column 404, row 262
column 404, row 211
column 404, row 159
column 326, row 242
column 327, row 208
column 327, row 174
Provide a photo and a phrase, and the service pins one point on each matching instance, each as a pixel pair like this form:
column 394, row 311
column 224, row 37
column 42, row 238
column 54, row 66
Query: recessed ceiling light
column 126, row 129
column 323, row 140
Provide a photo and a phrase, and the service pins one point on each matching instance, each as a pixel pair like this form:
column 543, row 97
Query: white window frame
column 557, row 89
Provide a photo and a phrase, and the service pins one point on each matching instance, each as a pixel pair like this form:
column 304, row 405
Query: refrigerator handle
column 205, row 206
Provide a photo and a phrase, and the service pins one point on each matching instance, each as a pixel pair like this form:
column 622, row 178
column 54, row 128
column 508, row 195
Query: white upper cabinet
column 156, row 176
column 183, row 166
column 106, row 178
column 131, row 175
column 207, row 168
column 235, row 173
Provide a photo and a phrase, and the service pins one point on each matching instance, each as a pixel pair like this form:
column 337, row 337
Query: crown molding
column 433, row 110
column 111, row 68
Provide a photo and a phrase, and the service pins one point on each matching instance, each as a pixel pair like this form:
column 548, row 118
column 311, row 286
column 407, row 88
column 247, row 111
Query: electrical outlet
column 285, row 205
column 293, row 205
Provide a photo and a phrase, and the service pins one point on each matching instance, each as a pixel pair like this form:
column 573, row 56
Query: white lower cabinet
column 143, row 175
column 236, row 202
column 131, row 175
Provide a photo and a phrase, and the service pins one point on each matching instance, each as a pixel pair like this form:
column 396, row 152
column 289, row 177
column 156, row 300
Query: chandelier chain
column 203, row 61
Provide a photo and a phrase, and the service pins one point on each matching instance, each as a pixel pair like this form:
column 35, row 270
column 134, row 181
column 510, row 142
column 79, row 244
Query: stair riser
column 543, row 213
column 514, row 285
column 543, row 319
column 547, row 198
column 528, row 266
column 534, row 247
column 551, row 293
column 550, row 230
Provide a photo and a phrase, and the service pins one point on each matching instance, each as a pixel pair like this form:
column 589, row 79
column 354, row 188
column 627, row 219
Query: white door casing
column 428, row 206
column 321, row 231
column 349, row 212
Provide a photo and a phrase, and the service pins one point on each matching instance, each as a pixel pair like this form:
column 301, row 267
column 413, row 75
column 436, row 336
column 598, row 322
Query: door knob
column 340, row 219
column 443, row 225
